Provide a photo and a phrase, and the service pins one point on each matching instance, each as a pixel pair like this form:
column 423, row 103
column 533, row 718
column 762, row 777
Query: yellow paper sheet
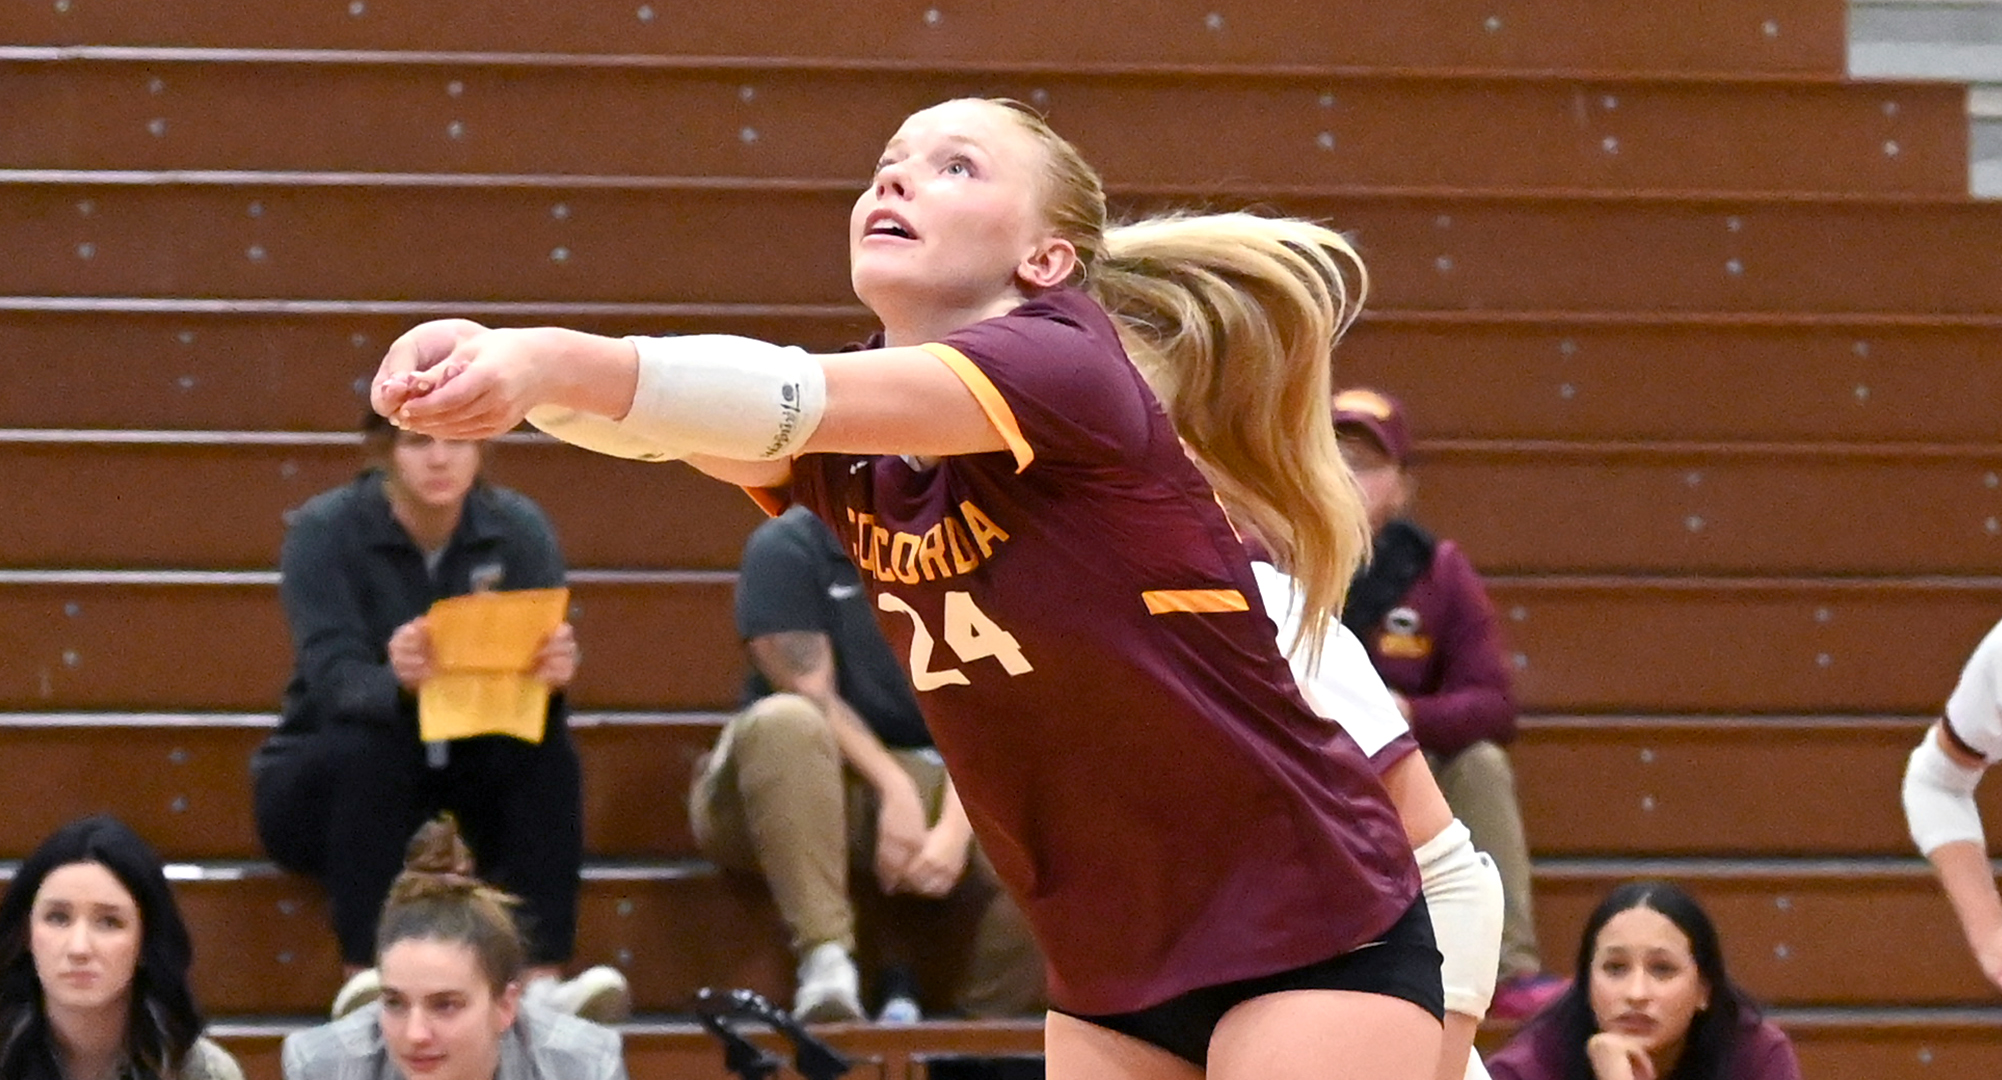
column 483, row 649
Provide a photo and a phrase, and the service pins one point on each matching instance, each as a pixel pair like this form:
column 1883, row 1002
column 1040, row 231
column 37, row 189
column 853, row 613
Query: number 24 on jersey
column 968, row 632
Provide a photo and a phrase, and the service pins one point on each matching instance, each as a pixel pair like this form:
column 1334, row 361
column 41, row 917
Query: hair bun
column 437, row 849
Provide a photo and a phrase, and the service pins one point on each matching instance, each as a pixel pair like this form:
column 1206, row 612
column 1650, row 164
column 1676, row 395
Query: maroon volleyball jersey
column 1084, row 633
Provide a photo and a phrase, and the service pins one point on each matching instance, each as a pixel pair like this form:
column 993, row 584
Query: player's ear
column 1048, row 265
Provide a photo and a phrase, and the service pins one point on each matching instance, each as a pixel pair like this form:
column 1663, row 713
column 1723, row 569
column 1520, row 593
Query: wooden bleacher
column 1698, row 335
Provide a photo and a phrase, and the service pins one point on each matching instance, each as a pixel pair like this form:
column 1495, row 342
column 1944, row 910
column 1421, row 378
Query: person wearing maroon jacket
column 1029, row 466
column 1424, row 616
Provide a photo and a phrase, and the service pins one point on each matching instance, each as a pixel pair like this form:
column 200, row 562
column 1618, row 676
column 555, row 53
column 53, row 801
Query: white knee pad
column 1463, row 892
column 1939, row 798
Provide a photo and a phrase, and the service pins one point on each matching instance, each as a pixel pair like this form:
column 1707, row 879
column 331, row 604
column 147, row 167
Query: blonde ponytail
column 1233, row 319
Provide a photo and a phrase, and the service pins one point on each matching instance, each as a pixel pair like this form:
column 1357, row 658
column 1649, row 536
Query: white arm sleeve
column 1939, row 798
column 600, row 434
column 730, row 397
column 1463, row 892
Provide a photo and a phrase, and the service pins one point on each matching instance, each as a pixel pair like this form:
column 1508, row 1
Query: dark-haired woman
column 453, row 1006
column 1651, row 1001
column 94, row 966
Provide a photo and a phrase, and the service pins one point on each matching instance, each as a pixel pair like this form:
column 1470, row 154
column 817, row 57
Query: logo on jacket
column 1402, row 639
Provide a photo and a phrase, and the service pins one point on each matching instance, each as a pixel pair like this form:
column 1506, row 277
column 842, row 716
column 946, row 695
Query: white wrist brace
column 601, row 434
column 1463, row 892
column 716, row 394
column 1939, row 798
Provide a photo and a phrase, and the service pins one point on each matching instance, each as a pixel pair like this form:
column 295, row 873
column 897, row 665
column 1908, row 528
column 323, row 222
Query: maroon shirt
column 1083, row 630
column 1537, row 1053
column 1440, row 649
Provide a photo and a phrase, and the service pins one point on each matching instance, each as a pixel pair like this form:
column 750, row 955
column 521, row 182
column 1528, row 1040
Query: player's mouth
column 887, row 224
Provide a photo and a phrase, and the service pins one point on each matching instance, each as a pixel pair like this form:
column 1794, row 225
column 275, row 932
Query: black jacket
column 350, row 575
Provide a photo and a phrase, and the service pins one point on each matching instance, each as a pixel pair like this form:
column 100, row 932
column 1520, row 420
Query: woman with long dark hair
column 94, row 966
column 1651, row 1001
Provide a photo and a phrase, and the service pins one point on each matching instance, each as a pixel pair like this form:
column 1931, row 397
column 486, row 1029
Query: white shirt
column 1344, row 686
column 1975, row 709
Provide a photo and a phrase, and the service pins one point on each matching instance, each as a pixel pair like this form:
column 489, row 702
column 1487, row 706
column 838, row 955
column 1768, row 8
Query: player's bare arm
column 1939, row 806
column 714, row 400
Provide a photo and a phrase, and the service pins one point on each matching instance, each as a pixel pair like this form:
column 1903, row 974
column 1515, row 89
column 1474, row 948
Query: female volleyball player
column 1217, row 876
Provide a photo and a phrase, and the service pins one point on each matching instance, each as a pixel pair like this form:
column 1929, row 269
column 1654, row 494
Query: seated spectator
column 94, row 966
column 1424, row 617
column 830, row 764
column 1651, row 1001
column 1941, row 777
column 345, row 779
column 453, row 1003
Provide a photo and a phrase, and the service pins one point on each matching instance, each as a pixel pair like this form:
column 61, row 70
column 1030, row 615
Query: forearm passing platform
column 712, row 394
column 1939, row 798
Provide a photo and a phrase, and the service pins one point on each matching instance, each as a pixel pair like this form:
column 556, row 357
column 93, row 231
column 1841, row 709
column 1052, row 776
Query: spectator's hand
column 482, row 387
column 410, row 653
column 940, row 863
column 1618, row 1057
column 556, row 661
column 1403, row 705
column 410, row 369
column 900, row 832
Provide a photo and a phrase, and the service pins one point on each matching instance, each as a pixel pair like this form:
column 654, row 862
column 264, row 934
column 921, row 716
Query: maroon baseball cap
column 1378, row 415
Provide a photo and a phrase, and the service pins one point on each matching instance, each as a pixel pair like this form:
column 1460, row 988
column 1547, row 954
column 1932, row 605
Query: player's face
column 953, row 211
column 435, row 473
column 440, row 1018
column 1645, row 983
column 1386, row 488
column 85, row 938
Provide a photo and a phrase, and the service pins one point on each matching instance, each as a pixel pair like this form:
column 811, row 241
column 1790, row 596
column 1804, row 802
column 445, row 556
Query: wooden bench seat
column 1833, row 1044
column 163, row 500
column 175, row 500
column 1797, row 932
column 1771, row 36
column 1352, row 128
column 182, row 780
column 219, row 642
column 665, row 641
column 1720, row 786
column 573, row 239
column 1589, row 786
column 192, row 364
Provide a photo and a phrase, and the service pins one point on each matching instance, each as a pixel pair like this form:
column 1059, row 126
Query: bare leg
column 1457, row 1044
column 1327, row 1035
column 1076, row 1050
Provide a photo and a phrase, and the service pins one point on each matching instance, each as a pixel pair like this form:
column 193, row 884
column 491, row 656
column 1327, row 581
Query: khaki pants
column 1479, row 785
column 776, row 798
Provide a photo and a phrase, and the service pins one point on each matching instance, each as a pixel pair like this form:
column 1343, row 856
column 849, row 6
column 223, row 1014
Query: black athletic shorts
column 1403, row 963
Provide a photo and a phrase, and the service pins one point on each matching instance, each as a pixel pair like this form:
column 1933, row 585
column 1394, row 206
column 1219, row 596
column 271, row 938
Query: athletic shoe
column 600, row 993
column 900, row 999
column 361, row 988
column 1520, row 997
column 830, row 989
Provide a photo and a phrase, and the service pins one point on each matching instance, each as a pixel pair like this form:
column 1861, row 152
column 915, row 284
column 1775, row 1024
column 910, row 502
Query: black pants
column 340, row 805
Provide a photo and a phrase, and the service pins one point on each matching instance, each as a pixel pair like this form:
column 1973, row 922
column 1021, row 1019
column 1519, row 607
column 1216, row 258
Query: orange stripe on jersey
column 773, row 503
column 1199, row 601
column 990, row 400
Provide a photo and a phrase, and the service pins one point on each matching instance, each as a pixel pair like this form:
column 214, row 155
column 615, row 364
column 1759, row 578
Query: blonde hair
column 437, row 898
column 1232, row 319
